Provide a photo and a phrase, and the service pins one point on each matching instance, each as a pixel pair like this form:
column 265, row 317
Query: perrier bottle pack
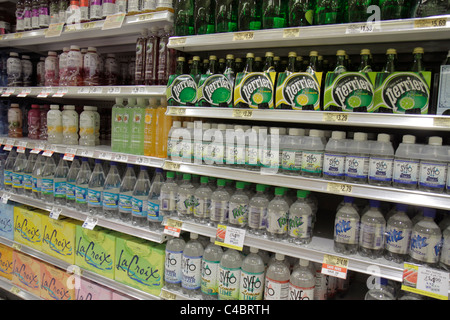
column 182, row 87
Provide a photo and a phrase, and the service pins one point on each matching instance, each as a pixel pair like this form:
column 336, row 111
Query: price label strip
column 45, row 93
column 173, row 227
column 90, row 223
column 25, row 92
column 167, row 295
column 48, row 153
column 243, row 36
column 360, row 28
column 8, row 92
column 70, row 154
column 429, row 282
column 291, row 33
column 55, row 212
column 335, row 266
column 5, row 198
column 230, row 237
column 340, row 188
column 54, row 30
column 430, row 23
column 239, row 113
column 335, row 117
column 61, row 93
column 113, row 21
column 174, row 111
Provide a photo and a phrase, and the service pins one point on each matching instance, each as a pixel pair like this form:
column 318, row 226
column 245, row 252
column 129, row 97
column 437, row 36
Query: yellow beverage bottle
column 166, row 125
column 150, row 127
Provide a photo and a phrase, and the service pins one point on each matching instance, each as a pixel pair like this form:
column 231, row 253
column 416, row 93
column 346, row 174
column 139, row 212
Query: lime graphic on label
column 354, row 101
column 407, row 103
column 254, row 89
column 258, row 98
column 302, row 99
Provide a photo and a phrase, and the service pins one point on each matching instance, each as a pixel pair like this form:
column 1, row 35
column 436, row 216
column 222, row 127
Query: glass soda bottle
column 249, row 15
column 301, row 13
column 356, row 10
column 226, row 15
column 204, row 16
column 274, row 14
column 184, row 17
column 394, row 9
column 328, row 12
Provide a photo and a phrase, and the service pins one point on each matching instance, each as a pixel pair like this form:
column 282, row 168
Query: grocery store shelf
column 98, row 93
column 89, row 33
column 11, row 288
column 365, row 191
column 112, row 224
column 372, row 120
column 394, row 31
column 132, row 292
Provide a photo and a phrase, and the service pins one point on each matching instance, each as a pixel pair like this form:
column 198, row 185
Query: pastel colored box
column 27, row 273
column 56, row 284
column 7, row 221
column 90, row 290
column 140, row 264
column 6, row 262
column 28, row 226
column 95, row 250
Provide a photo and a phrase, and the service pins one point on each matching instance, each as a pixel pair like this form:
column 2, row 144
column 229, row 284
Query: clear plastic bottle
column 277, row 216
column 398, row 235
column 74, row 67
column 406, row 163
column 95, row 189
column 54, row 125
column 169, row 194
column 312, row 154
column 444, row 261
column 252, row 276
column 185, row 198
column 300, row 220
column 257, row 211
column 15, row 121
column 380, row 292
column 139, row 200
column 154, row 216
column 172, row 270
column 357, row 160
column 277, row 279
column 381, row 161
column 87, row 127
column 202, row 201
column 230, row 275
column 433, row 166
column 346, row 228
column 81, row 185
column 28, row 174
column 126, row 193
column 220, row 199
column 14, row 70
column 37, row 176
column 48, row 174
column 43, row 110
column 425, row 242
column 62, row 67
column 191, row 266
column 334, row 157
column 70, row 125
column 291, row 151
column 238, row 207
column 371, row 236
column 111, row 190
column 71, row 182
column 210, row 270
column 27, row 71
column 302, row 282
column 60, row 181
column 51, row 70
column 17, row 173
column 9, row 169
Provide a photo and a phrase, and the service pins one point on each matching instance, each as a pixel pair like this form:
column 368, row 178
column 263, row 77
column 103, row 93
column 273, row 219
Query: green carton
column 298, row 91
column 215, row 90
column 181, row 90
column 255, row 90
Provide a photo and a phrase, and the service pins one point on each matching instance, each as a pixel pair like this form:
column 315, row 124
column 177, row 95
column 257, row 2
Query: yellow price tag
column 335, row 266
column 14, row 290
column 174, row 111
column 335, row 117
column 243, row 36
column 441, row 122
column 242, row 113
column 167, row 295
column 340, row 188
column 430, row 23
column 174, row 223
column 18, row 35
column 177, row 41
column 291, row 33
column 17, row 246
column 145, row 17
column 171, row 166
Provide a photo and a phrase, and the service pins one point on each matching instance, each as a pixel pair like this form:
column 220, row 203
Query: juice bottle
column 137, row 128
column 74, row 67
column 34, row 122
column 27, row 12
column 151, row 58
column 15, row 121
column 111, row 70
column 84, row 11
column 91, row 68
column 134, row 7
column 35, row 14
column 87, row 127
column 167, row 124
column 54, row 125
column 70, row 125
column 116, row 126
column 149, row 128
column 95, row 10
column 20, row 16
column 51, row 69
column 140, row 58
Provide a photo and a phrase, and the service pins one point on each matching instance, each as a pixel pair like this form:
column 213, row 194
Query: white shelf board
column 7, row 285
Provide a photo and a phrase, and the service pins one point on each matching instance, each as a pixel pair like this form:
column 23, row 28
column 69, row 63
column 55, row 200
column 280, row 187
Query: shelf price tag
column 105, row 155
column 174, row 111
column 139, row 90
column 430, row 23
column 340, row 188
column 83, row 90
column 171, row 166
column 96, row 90
column 45, row 92
column 48, row 153
column 25, row 92
column 14, row 290
column 8, row 145
column 54, row 30
column 113, row 21
column 243, row 36
column 242, row 113
column 173, row 227
column 176, row 42
column 87, row 153
column 360, row 28
column 35, row 150
column 335, row 117
column 61, row 92
column 55, row 212
column 90, row 223
column 441, row 122
column 230, row 237
column 335, row 266
column 425, row 281
column 167, row 295
column 8, row 92
column 5, row 198
column 70, row 154
column 291, row 33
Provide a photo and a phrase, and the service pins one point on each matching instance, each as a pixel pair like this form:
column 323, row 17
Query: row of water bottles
column 355, row 157
column 376, row 231
column 200, row 268
column 274, row 213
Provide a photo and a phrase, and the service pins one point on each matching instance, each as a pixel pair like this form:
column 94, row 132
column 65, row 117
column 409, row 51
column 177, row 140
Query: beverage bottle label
column 110, row 200
column 125, row 203
column 346, row 230
column 300, row 293
column 380, row 169
column 276, row 290
column 372, row 236
column 334, row 165
column 60, row 189
column 357, row 166
column 251, row 285
column 191, row 272
column 210, row 280
column 94, row 198
column 312, row 162
column 80, row 194
column 432, row 175
column 47, row 186
column 229, row 281
column 397, row 239
column 406, row 171
column 153, row 211
column 425, row 248
column 238, row 214
column 172, row 272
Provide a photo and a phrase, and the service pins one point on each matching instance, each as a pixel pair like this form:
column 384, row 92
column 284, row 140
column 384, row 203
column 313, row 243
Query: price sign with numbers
column 55, row 212
column 335, row 266
column 291, row 32
column 239, row 113
column 70, row 154
column 54, row 30
column 243, row 36
column 335, row 117
column 113, row 21
column 425, row 281
column 90, row 223
column 174, row 111
column 173, row 227
column 340, row 188
column 430, row 23
column 360, row 28
column 230, row 237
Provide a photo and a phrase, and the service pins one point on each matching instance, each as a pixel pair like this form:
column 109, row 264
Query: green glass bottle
column 277, row 63
column 313, row 61
column 394, row 9
column 212, row 68
column 418, row 65
column 356, row 10
column 258, row 64
column 328, row 12
column 249, row 63
column 226, row 15
column 230, row 68
column 180, row 66
column 249, row 15
column 221, row 65
column 299, row 64
column 195, row 71
column 391, row 57
column 204, row 16
column 238, row 65
column 301, row 13
column 274, row 14
column 340, row 62
column 428, row 8
column 269, row 65
column 291, row 67
column 365, row 61
column 184, row 17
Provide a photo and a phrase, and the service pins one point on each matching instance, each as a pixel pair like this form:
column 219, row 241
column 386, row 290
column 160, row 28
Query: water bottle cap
column 240, row 185
column 98, row 161
column 159, row 170
column 61, row 155
column 221, row 182
column 204, row 180
column 296, row 132
column 374, row 203
column 348, row 199
column 338, row 135
column 314, row 133
column 54, row 107
column 113, row 163
column 253, row 250
column 143, row 167
column 176, row 124
column 409, row 139
column 302, row 193
column 383, row 137
column 279, row 191
column 194, row 236
column 14, row 54
column 170, row 174
column 360, row 136
column 84, row 159
column 186, row 176
column 69, row 107
column 435, row 141
column 429, row 212
column 129, row 165
column 402, row 207
column 279, row 256
column 260, row 187
column 303, row 262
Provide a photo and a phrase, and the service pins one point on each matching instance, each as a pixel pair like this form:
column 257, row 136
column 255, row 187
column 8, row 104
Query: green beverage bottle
column 180, row 66
column 365, row 61
column 184, row 17
column 391, row 58
column 340, row 62
column 301, row 13
column 356, row 10
column 213, row 65
column 204, row 22
column 313, row 61
column 328, row 12
column 299, row 64
column 230, row 68
column 394, row 9
column 249, row 15
column 195, row 69
column 292, row 59
column 428, row 8
column 238, row 65
column 274, row 14
column 250, row 60
column 269, row 65
column 226, row 15
column 418, row 60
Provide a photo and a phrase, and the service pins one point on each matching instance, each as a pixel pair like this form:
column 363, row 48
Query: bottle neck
column 180, row 68
column 195, row 70
column 390, row 64
column 212, row 67
column 340, row 64
column 365, row 65
column 249, row 65
column 291, row 65
column 418, row 63
column 269, row 65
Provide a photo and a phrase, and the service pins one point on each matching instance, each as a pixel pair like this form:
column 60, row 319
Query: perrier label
column 254, row 90
column 298, row 91
column 181, row 90
column 215, row 90
column 349, row 91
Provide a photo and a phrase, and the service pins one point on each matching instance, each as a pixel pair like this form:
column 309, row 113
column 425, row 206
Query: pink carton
column 90, row 290
column 56, row 284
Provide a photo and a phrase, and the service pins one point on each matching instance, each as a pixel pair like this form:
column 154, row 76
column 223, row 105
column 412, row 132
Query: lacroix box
column 56, row 284
column 140, row 264
column 6, row 262
column 90, row 290
column 7, row 221
column 27, row 273
column 28, row 226
column 95, row 250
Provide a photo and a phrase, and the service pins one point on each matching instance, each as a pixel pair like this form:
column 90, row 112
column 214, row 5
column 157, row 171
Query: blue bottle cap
column 348, row 199
column 429, row 212
column 129, row 165
column 374, row 203
column 113, row 163
column 98, row 161
column 84, row 159
column 160, row 170
column 402, row 207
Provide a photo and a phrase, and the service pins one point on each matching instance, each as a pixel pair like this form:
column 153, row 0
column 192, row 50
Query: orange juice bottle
column 149, row 130
column 165, row 128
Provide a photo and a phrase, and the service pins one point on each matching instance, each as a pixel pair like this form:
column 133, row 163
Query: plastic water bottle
column 37, row 176
column 257, row 211
column 169, row 194
column 406, row 164
column 380, row 292
column 87, row 127
column 302, row 282
column 70, row 125
column 357, row 160
column 433, row 166
column 425, row 242
column 17, row 174
column 398, row 235
column 210, row 270
column 300, row 220
column 252, row 276
column 191, row 266
column 334, row 157
column 291, row 151
column 81, row 185
column 277, row 216
column 111, row 190
column 95, row 189
column 28, row 174
column 277, row 279
column 371, row 237
column 202, row 201
column 48, row 174
column 9, row 169
column 154, row 216
column 71, row 182
column 60, row 181
column 54, row 125
column 220, row 199
column 186, row 198
column 172, row 270
column 444, row 261
column 346, row 228
column 238, row 207
column 139, row 200
column 312, row 154
column 381, row 161
column 126, row 193
column 230, row 275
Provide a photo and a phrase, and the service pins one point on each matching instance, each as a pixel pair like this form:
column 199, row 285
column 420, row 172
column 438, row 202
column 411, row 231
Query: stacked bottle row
column 355, row 157
column 202, row 17
column 38, row 14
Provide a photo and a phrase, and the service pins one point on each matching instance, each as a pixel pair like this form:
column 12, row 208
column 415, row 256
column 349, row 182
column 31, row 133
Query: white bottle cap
column 51, row 53
column 279, row 256
column 88, row 108
column 15, row 54
column 338, row 135
column 25, row 57
column 119, row 100
column 435, row 141
column 230, row 126
column 253, row 250
column 176, row 124
column 66, row 49
column 93, row 49
column 206, row 126
column 274, row 130
column 360, row 136
column 315, row 133
column 238, row 127
column 222, row 126
column 73, row 47
column 296, row 132
column 194, row 235
column 54, row 107
column 69, row 107
column 407, row 138
column 190, row 125
column 303, row 262
column 383, row 137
